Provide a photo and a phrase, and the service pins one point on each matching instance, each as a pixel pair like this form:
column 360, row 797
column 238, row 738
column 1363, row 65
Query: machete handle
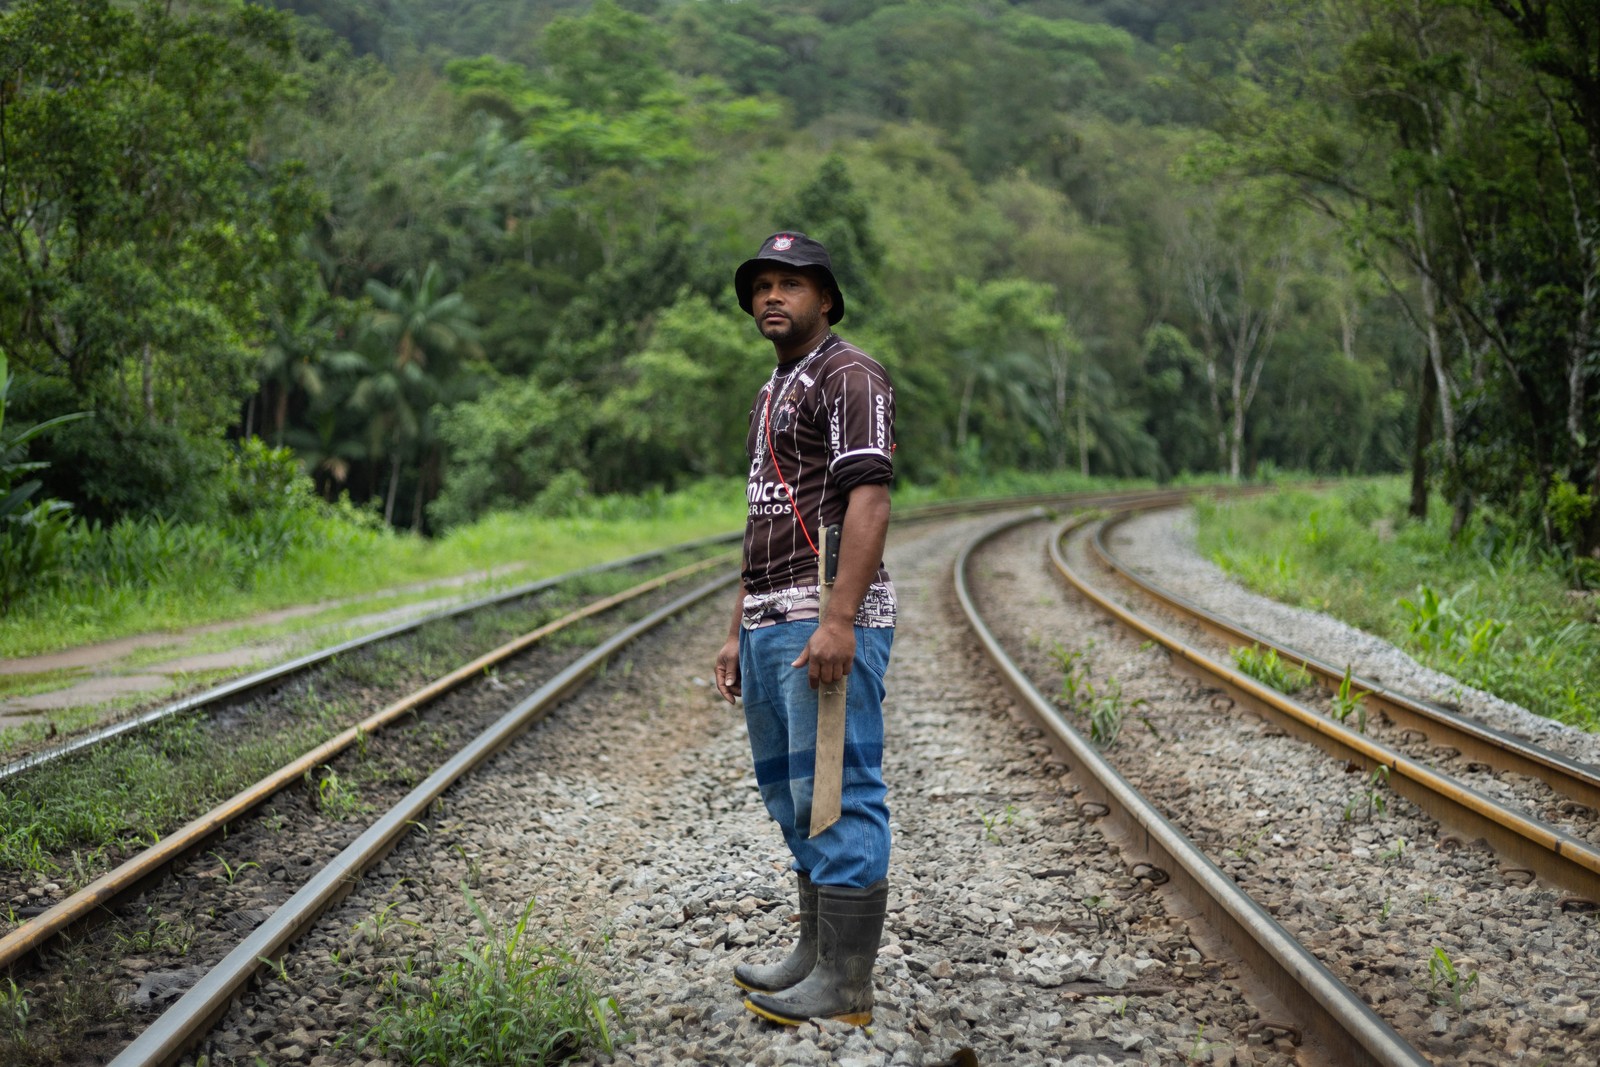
column 830, row 553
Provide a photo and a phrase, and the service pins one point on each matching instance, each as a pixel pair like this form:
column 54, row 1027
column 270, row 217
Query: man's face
column 789, row 305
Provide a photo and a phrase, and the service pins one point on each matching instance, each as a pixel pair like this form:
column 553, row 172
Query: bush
column 31, row 527
column 507, row 448
column 262, row 508
column 31, row 541
column 111, row 471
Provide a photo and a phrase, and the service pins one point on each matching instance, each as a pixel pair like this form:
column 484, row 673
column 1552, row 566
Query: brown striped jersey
column 829, row 419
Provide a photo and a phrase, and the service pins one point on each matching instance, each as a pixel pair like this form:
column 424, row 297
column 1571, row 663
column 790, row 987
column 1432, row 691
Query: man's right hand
column 727, row 673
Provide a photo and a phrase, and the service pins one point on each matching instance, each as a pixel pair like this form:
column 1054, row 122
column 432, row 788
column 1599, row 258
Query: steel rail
column 184, row 1023
column 198, row 1009
column 1475, row 740
column 87, row 903
column 277, row 672
column 267, row 675
column 1529, row 843
column 1349, row 1030
column 83, row 905
column 1084, row 499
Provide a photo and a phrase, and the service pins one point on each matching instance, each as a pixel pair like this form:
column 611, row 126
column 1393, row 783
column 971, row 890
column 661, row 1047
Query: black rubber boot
column 839, row 987
column 769, row 978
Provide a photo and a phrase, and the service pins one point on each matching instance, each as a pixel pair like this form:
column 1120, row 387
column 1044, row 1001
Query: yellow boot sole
column 854, row 1018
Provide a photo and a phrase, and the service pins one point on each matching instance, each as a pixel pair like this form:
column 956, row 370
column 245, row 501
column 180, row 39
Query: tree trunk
column 280, row 415
column 1349, row 316
column 1236, row 428
column 147, row 373
column 1059, row 371
column 1083, row 423
column 1430, row 322
column 394, row 486
column 1462, row 513
column 424, row 478
column 963, row 413
column 1215, row 397
column 1422, row 441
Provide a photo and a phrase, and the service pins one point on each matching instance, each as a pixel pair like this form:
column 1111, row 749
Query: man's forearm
column 866, row 528
column 738, row 612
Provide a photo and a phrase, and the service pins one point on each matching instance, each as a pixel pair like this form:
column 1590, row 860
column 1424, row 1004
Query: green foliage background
column 463, row 257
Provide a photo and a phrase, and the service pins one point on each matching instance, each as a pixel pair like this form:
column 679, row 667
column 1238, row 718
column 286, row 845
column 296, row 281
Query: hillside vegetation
column 1495, row 615
column 451, row 259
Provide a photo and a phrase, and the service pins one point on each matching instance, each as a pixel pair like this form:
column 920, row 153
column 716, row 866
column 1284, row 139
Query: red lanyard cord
column 773, row 452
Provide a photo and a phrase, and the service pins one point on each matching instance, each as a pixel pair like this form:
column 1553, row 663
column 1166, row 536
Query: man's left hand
column 829, row 653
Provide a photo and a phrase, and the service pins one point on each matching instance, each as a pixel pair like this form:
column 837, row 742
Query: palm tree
column 386, row 397
column 295, row 357
column 423, row 324
column 412, row 344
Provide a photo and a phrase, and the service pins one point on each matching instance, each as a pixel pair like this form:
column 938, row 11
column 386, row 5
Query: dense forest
column 424, row 260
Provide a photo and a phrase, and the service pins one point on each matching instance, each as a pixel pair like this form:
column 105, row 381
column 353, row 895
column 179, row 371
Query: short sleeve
column 858, row 401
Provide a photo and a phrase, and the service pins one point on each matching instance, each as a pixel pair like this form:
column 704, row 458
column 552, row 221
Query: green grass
column 350, row 561
column 134, row 789
column 127, row 794
column 21, row 685
column 1266, row 667
column 1008, row 483
column 1493, row 613
column 506, row 999
column 170, row 578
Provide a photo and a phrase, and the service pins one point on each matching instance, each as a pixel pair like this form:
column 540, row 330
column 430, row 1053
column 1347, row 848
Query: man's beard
column 790, row 328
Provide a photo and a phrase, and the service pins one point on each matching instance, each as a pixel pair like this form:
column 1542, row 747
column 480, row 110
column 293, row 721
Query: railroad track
column 1536, row 870
column 279, row 673
column 166, row 930
column 595, row 852
column 664, row 848
column 1436, row 757
column 196, row 911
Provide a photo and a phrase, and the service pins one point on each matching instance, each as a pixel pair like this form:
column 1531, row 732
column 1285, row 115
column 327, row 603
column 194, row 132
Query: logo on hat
column 782, row 243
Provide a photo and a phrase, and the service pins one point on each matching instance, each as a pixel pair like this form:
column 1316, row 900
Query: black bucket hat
column 790, row 248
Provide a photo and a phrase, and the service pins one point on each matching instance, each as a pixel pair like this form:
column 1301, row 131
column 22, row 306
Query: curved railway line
column 619, row 799
column 1520, row 871
column 163, row 936
column 1436, row 735
column 1446, row 732
column 396, row 745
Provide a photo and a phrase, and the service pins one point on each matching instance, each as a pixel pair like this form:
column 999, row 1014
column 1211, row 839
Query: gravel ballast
column 631, row 819
column 1388, row 900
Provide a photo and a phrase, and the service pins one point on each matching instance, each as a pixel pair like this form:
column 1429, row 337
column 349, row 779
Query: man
column 820, row 445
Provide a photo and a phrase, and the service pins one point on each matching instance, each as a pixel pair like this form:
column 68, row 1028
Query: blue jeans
column 780, row 708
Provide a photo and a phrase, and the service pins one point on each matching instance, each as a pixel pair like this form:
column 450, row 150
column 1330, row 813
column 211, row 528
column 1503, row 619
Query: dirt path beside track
column 100, row 673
